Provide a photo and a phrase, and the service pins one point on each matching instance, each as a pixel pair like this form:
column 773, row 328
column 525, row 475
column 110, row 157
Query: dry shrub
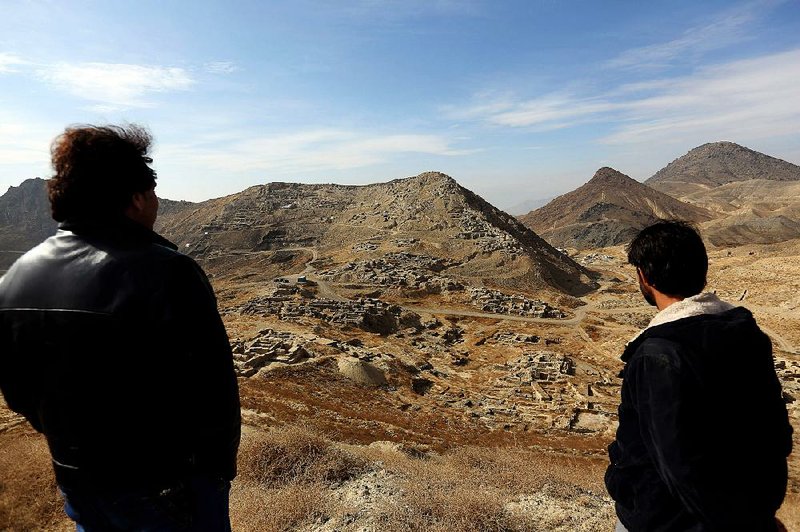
column 444, row 506
column 295, row 454
column 474, row 488
column 529, row 470
column 255, row 508
column 29, row 499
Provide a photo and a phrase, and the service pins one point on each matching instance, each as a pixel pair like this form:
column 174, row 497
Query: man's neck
column 664, row 300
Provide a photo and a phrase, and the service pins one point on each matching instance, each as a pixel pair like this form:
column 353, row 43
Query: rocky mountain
column 24, row 219
column 756, row 197
column 266, row 229
column 429, row 215
column 718, row 163
column 608, row 210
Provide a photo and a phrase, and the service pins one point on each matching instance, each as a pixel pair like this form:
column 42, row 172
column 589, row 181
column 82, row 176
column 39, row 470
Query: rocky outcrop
column 24, row 219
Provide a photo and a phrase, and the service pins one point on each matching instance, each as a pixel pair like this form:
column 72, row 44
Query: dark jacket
column 111, row 345
column 703, row 430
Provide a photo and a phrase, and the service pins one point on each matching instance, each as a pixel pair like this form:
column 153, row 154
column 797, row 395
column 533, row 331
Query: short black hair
column 672, row 257
column 98, row 169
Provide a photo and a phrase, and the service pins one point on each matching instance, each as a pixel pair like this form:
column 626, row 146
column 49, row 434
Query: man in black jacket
column 111, row 346
column 703, row 430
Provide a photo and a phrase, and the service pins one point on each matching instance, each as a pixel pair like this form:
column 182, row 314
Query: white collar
column 704, row 303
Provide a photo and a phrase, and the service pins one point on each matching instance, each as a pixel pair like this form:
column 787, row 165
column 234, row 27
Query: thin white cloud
column 547, row 112
column 727, row 28
column 115, row 85
column 9, row 61
column 557, row 110
column 752, row 98
column 221, row 67
column 304, row 152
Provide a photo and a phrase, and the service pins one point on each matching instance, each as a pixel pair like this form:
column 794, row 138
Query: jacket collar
column 705, row 303
column 115, row 228
column 698, row 305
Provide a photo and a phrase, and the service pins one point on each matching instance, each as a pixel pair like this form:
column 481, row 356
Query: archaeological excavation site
column 410, row 357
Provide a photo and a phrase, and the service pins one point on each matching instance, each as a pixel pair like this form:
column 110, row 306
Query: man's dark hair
column 672, row 257
column 98, row 169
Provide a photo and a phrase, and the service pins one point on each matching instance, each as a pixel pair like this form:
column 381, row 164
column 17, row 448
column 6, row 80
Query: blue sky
column 516, row 100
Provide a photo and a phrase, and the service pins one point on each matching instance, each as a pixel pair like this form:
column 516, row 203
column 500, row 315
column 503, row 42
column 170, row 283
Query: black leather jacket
column 111, row 345
column 703, row 430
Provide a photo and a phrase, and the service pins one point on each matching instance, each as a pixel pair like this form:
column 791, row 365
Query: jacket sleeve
column 657, row 384
column 214, row 409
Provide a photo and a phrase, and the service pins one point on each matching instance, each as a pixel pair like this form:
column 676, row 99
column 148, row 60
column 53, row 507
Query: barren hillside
column 754, row 196
column 429, row 214
column 718, row 163
column 608, row 210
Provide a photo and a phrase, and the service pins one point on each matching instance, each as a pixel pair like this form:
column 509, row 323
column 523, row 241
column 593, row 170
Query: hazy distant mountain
column 428, row 214
column 608, row 210
column 527, row 206
column 718, row 163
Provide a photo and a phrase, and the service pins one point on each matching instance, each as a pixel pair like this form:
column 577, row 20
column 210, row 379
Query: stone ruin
column 368, row 314
column 497, row 302
column 488, row 237
column 538, row 390
column 398, row 270
column 593, row 258
column 267, row 348
column 540, row 366
column 365, row 246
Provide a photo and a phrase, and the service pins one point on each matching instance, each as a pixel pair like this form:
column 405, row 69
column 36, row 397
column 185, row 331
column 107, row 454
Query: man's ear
column 137, row 203
column 642, row 278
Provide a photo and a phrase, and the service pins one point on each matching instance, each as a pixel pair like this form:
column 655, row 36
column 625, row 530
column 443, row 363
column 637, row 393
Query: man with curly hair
column 703, row 430
column 111, row 346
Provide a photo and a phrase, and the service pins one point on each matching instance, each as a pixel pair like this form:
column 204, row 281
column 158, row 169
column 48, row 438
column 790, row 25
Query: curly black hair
column 98, row 169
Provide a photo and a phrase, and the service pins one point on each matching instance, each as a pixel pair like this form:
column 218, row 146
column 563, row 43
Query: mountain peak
column 607, row 210
column 607, row 174
column 718, row 163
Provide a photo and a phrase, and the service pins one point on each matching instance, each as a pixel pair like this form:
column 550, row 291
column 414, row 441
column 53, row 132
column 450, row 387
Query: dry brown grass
column 258, row 509
column 495, row 490
column 295, row 455
column 294, row 478
column 29, row 499
column 442, row 507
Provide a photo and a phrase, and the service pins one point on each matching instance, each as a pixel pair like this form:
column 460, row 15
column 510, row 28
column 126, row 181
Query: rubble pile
column 268, row 347
column 497, row 302
column 369, row 314
column 593, row 258
column 365, row 246
column 275, row 198
column 789, row 374
column 398, row 270
column 488, row 237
